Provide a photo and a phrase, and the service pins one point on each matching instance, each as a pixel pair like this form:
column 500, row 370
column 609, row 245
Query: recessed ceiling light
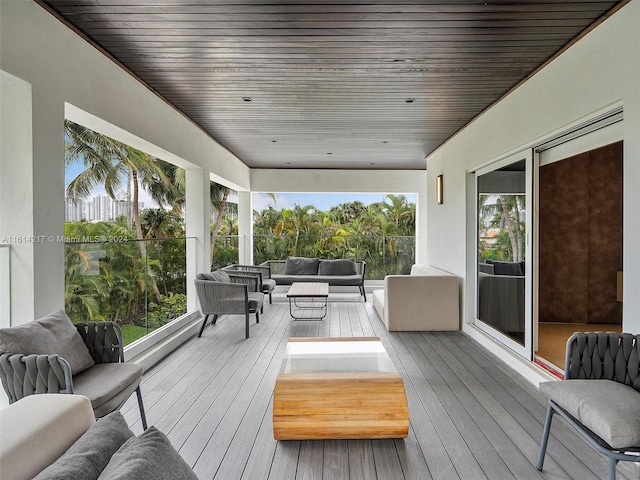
column 247, row 99
column 409, row 100
column 274, row 141
column 385, row 141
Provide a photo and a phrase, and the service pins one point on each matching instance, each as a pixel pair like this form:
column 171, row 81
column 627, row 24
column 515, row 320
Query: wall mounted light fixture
column 439, row 192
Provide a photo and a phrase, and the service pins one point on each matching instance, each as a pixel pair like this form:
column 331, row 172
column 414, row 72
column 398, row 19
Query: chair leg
column 143, row 416
column 214, row 319
column 206, row 317
column 246, row 328
column 257, row 317
column 270, row 299
column 364, row 294
column 262, row 309
column 611, row 468
column 545, row 437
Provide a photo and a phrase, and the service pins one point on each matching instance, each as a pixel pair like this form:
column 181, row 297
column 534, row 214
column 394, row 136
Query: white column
column 245, row 228
column 197, row 218
column 32, row 197
column 16, row 193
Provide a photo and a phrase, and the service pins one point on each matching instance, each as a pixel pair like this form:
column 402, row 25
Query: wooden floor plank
column 471, row 416
column 336, row 460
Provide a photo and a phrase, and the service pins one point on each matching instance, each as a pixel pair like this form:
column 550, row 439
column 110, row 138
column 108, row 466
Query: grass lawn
column 131, row 333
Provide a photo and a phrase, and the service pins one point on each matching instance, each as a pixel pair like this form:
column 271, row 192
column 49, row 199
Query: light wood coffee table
column 333, row 388
column 308, row 297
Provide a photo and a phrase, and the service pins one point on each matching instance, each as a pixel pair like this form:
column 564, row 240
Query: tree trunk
column 506, row 218
column 141, row 243
column 216, row 227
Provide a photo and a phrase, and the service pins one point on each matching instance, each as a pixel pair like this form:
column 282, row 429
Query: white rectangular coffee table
column 336, row 388
column 308, row 297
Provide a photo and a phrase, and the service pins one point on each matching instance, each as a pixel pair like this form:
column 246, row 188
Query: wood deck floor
column 471, row 417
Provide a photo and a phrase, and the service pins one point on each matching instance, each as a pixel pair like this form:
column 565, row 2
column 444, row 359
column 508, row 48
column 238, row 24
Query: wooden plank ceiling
column 371, row 84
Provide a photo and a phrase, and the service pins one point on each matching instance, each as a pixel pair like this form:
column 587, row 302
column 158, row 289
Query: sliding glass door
column 503, row 253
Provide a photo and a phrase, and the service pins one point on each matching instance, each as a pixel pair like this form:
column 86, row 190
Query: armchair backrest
column 103, row 340
column 608, row 356
column 222, row 297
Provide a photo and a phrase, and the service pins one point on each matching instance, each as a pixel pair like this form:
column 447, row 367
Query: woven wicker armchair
column 53, row 355
column 266, row 284
column 600, row 396
column 227, row 293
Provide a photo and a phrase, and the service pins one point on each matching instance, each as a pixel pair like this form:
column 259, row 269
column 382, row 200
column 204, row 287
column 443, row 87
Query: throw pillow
column 301, row 266
column 90, row 454
column 337, row 267
column 54, row 333
column 216, row 276
column 506, row 268
column 149, row 456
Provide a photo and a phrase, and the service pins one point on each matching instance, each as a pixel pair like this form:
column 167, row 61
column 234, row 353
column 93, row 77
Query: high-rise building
column 75, row 210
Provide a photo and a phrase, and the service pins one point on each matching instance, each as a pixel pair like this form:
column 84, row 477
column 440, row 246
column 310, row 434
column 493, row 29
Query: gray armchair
column 266, row 284
column 600, row 396
column 226, row 293
column 53, row 355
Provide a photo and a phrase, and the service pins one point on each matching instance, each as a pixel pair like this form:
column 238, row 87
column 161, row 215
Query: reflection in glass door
column 503, row 272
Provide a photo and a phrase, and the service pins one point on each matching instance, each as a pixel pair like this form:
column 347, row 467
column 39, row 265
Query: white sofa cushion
column 47, row 424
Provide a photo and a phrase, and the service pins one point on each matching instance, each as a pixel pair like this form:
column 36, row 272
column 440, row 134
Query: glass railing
column 225, row 250
column 139, row 284
column 5, row 289
column 385, row 255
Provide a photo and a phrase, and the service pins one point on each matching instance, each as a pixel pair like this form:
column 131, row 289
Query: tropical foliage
column 501, row 227
column 133, row 271
column 109, row 280
column 382, row 234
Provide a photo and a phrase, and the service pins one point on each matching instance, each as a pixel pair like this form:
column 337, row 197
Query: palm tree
column 107, row 162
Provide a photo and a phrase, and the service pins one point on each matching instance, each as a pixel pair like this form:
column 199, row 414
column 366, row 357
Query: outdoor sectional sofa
column 340, row 272
column 426, row 300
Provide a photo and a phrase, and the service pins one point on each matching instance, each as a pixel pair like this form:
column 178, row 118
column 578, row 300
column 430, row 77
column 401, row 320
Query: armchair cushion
column 91, row 453
column 609, row 409
column 301, row 266
column 216, row 276
column 108, row 385
column 337, row 267
column 53, row 334
column 256, row 300
column 149, row 456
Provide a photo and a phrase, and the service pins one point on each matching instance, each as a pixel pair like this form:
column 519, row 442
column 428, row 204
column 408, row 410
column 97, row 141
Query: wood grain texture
column 340, row 406
column 213, row 398
column 331, row 77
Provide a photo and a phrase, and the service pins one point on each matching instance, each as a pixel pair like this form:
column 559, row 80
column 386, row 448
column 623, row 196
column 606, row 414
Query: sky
column 322, row 201
column 261, row 201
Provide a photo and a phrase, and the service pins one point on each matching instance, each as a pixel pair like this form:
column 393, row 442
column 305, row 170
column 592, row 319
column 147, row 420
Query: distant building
column 75, row 210
column 100, row 208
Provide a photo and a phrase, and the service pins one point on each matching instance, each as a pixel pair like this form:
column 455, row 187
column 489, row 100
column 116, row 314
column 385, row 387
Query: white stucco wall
column 600, row 70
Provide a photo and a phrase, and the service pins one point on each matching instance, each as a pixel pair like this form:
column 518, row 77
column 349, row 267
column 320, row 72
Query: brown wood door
column 580, row 250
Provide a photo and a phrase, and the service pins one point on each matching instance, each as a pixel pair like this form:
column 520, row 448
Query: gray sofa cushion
column 149, row 456
column 48, row 335
column 301, row 266
column 90, row 454
column 609, row 409
column 217, row 276
column 103, row 380
column 335, row 280
column 506, row 268
column 337, row 267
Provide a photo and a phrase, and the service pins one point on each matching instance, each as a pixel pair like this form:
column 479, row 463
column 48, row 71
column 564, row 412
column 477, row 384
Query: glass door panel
column 503, row 274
